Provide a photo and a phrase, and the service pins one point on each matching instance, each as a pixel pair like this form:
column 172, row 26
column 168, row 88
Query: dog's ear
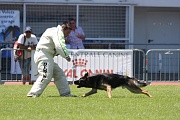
column 86, row 75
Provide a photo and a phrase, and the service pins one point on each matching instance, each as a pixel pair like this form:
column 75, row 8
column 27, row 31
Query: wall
column 158, row 3
column 141, row 27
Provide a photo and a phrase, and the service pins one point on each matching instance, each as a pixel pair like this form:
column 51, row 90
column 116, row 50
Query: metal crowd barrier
column 163, row 65
column 153, row 65
column 123, row 62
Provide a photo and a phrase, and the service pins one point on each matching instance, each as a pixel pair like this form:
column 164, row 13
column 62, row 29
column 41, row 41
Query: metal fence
column 163, row 65
column 121, row 61
column 99, row 21
column 153, row 65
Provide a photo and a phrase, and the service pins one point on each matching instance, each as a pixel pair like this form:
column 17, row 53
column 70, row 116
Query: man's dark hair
column 66, row 25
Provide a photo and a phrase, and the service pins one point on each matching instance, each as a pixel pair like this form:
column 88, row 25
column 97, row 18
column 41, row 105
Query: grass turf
column 164, row 105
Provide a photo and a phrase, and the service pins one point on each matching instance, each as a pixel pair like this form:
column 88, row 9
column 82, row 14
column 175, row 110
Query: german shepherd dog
column 108, row 82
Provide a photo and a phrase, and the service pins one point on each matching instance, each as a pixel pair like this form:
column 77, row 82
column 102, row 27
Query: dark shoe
column 23, row 82
column 31, row 83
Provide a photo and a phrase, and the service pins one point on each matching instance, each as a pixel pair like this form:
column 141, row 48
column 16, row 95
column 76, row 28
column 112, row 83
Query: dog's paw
column 83, row 95
column 150, row 96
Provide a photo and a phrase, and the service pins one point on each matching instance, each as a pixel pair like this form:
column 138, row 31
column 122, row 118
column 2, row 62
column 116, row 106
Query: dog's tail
column 141, row 84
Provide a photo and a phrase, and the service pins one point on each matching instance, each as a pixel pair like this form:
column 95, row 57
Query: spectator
column 76, row 36
column 28, row 42
column 51, row 44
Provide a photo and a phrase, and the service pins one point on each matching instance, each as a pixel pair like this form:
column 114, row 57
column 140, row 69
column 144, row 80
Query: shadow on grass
column 103, row 97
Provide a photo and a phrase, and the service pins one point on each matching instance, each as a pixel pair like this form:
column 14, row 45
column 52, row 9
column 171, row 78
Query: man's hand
column 78, row 35
column 29, row 48
column 68, row 59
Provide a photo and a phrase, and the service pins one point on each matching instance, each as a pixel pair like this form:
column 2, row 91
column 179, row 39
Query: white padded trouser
column 47, row 70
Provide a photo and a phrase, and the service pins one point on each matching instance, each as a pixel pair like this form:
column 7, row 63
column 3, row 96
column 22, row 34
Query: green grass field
column 165, row 104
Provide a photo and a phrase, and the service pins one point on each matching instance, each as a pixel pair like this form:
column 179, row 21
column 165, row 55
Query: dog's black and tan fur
column 108, row 82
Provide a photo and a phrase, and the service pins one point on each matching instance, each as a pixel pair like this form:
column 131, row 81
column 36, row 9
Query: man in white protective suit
column 51, row 43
